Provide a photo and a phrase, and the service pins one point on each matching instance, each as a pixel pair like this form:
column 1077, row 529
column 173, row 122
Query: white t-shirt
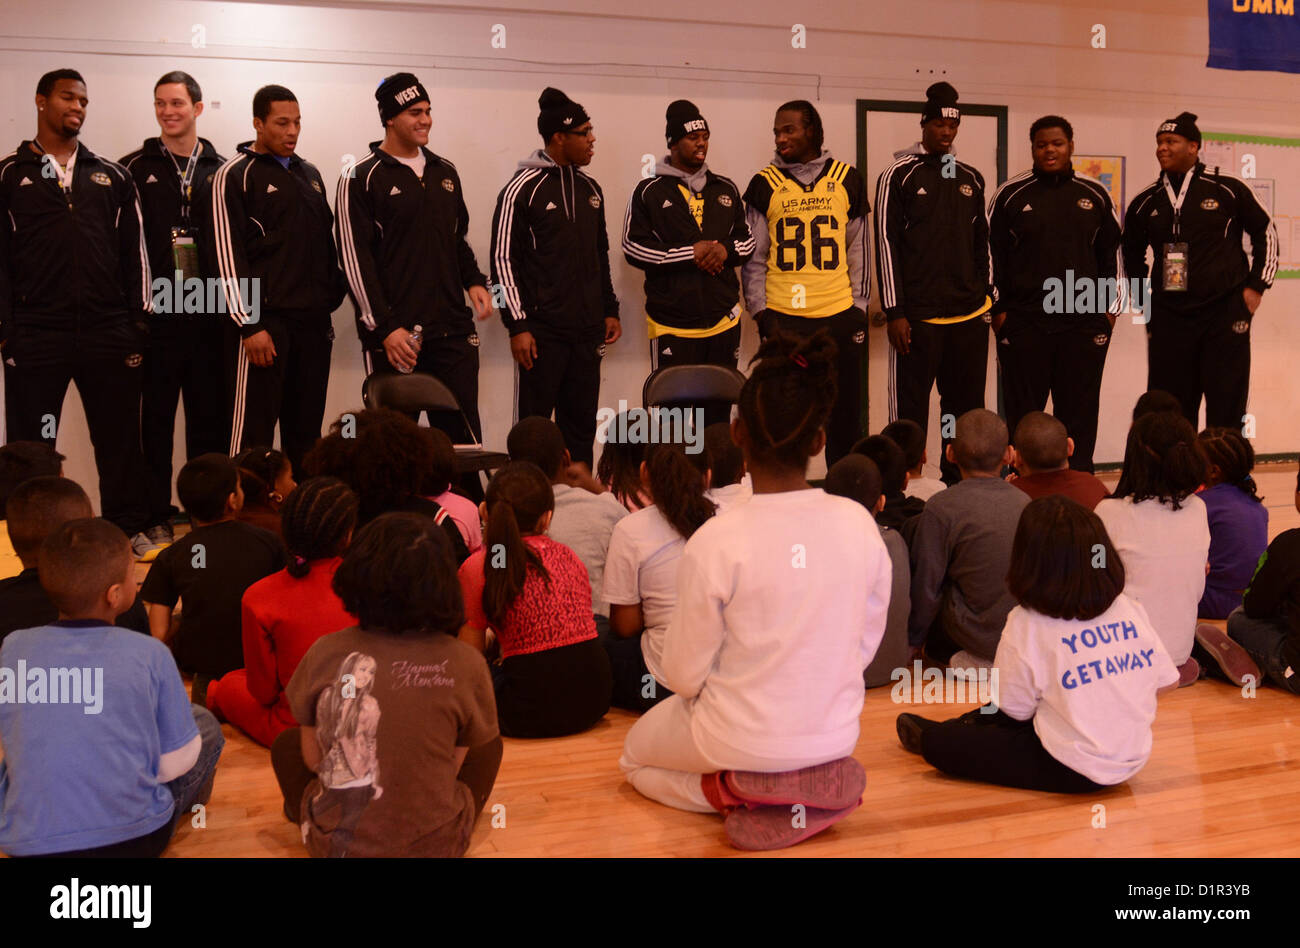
column 583, row 522
column 641, row 566
column 781, row 604
column 923, row 487
column 1090, row 685
column 1164, row 553
column 727, row 497
column 416, row 164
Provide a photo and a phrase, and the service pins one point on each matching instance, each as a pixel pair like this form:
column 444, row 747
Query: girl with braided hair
column 553, row 676
column 1238, row 520
column 640, row 578
column 287, row 611
column 781, row 605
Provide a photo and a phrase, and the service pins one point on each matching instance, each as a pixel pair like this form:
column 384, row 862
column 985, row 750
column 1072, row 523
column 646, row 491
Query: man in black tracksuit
column 550, row 272
column 75, row 296
column 271, row 223
column 401, row 230
column 932, row 252
column 685, row 227
column 173, row 175
column 1052, row 224
column 1204, row 292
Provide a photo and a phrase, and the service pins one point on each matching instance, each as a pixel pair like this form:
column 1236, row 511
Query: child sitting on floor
column 287, row 611
column 585, row 512
column 35, row 509
column 962, row 547
column 640, row 581
column 728, row 483
column 398, row 748
column 437, row 487
column 1267, row 624
column 209, row 569
column 554, row 676
column 619, row 467
column 266, row 478
column 909, row 436
column 857, row 478
column 1159, row 526
column 109, row 768
column 1238, row 520
column 780, row 606
column 1076, row 675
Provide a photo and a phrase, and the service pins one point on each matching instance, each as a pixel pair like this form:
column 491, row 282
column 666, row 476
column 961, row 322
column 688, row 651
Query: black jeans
column 1206, row 352
column 632, row 680
column 564, row 379
column 184, row 361
column 953, row 355
column 1068, row 364
column 291, row 391
column 996, row 748
column 110, row 392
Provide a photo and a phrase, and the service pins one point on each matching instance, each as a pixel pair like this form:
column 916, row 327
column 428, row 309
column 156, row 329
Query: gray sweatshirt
column 960, row 556
column 753, row 275
column 693, row 181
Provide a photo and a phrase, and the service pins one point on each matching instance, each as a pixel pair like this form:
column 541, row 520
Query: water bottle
column 417, row 337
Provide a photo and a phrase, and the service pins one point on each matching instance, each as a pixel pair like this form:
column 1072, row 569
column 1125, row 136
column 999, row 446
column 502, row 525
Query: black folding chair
column 419, row 391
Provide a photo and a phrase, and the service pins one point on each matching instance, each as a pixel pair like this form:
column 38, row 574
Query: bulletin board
column 1271, row 166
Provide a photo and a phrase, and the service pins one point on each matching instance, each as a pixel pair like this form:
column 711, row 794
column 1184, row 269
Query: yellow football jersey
column 807, row 267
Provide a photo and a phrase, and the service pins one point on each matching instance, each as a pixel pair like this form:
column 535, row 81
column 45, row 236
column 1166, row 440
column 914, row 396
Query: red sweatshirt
column 282, row 617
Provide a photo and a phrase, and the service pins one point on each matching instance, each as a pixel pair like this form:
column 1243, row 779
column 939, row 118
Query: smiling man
column 74, row 296
column 550, row 266
column 272, row 231
column 173, row 173
column 685, row 227
column 402, row 233
column 1204, row 291
column 932, row 251
column 808, row 215
column 1053, row 226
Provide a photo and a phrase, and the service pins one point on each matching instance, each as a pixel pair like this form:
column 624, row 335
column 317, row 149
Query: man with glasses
column 550, row 275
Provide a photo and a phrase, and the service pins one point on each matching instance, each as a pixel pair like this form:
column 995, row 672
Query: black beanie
column 1184, row 124
column 683, row 119
column 398, row 93
column 558, row 113
column 940, row 102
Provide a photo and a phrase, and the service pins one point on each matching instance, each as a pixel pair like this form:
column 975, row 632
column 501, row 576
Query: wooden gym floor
column 1223, row 780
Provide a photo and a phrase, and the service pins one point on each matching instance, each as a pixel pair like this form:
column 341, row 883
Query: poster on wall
column 1255, row 35
column 1109, row 170
column 1271, row 166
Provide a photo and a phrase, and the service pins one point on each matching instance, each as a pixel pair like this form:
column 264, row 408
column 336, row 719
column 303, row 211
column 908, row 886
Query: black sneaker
column 910, row 728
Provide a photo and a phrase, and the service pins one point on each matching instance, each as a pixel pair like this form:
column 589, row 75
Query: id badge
column 1175, row 267
column 185, row 253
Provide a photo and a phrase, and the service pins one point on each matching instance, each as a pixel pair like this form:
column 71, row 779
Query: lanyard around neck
column 1177, row 202
column 186, row 176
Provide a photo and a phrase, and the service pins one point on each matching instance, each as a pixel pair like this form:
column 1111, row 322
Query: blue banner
column 1254, row 34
